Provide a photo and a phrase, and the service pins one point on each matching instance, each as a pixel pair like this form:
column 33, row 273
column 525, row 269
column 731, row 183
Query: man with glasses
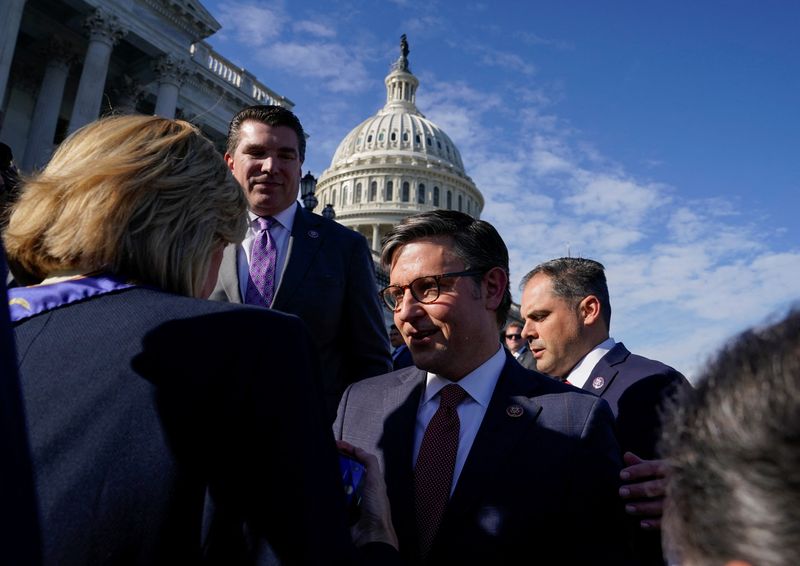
column 518, row 347
column 485, row 462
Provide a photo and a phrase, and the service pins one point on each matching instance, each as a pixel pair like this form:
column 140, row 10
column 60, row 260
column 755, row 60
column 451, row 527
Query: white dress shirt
column 279, row 232
column 583, row 369
column 479, row 385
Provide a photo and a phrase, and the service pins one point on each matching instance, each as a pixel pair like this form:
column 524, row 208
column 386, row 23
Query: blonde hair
column 140, row 196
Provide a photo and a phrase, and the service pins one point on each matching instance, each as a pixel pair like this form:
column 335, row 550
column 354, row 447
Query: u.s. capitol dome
column 394, row 164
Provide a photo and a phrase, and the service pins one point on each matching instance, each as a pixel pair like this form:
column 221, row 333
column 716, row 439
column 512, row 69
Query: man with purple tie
column 298, row 262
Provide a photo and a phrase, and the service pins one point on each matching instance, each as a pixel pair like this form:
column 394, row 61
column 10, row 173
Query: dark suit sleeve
column 640, row 411
column 365, row 339
column 238, row 397
column 596, row 499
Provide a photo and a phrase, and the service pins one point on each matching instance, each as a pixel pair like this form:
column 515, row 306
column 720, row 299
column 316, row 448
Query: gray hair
column 734, row 449
column 574, row 279
column 475, row 242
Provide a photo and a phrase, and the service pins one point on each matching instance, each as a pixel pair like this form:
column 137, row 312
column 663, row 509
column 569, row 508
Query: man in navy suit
column 567, row 312
column 517, row 345
column 485, row 462
column 322, row 272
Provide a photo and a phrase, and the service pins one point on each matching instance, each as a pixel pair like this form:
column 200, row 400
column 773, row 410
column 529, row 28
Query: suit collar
column 308, row 233
column 604, row 372
column 400, row 402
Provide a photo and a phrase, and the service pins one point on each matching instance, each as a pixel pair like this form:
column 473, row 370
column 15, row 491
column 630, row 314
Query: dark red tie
column 433, row 474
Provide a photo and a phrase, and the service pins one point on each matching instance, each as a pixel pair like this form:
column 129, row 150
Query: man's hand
column 375, row 523
column 644, row 489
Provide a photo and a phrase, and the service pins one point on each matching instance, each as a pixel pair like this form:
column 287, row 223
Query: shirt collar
column 479, row 383
column 285, row 217
column 583, row 369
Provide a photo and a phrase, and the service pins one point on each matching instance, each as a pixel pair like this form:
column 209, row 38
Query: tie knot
column 265, row 223
column 451, row 395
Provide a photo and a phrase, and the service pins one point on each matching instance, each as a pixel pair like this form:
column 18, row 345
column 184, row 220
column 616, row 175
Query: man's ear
column 589, row 310
column 496, row 280
column 229, row 160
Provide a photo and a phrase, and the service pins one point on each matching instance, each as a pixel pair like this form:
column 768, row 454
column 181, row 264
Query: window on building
column 358, row 193
column 373, row 191
column 405, row 136
column 389, row 191
column 394, row 136
column 380, row 136
column 333, row 197
column 460, row 204
column 418, row 139
column 421, row 194
column 369, row 138
column 406, row 192
column 435, row 196
column 449, row 200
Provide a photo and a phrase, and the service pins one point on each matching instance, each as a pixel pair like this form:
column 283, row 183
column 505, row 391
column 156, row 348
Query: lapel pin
column 598, row 382
column 313, row 234
column 514, row 411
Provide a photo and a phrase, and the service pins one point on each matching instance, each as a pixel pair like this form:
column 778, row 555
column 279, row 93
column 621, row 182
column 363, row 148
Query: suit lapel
column 511, row 411
column 401, row 404
column 604, row 371
column 229, row 273
column 304, row 242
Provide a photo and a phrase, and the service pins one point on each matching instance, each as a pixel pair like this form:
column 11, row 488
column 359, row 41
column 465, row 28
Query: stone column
column 376, row 237
column 59, row 57
column 171, row 74
column 10, row 18
column 104, row 32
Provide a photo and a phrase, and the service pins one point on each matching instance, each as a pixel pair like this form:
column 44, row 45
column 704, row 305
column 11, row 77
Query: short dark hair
column 270, row 115
column 574, row 279
column 732, row 444
column 475, row 242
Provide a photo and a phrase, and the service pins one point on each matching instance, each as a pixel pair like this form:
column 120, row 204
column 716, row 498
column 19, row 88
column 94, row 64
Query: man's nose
column 529, row 331
column 409, row 307
column 268, row 164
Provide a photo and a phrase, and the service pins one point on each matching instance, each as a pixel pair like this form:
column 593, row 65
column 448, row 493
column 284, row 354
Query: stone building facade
column 63, row 63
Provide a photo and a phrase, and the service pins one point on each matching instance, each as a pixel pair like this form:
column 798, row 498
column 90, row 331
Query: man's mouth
column 421, row 336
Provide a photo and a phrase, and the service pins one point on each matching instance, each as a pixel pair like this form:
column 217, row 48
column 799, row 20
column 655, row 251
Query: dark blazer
column 542, row 471
column 141, row 403
column 329, row 282
column 635, row 388
column 19, row 526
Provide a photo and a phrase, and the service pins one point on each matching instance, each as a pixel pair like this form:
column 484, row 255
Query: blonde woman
column 154, row 438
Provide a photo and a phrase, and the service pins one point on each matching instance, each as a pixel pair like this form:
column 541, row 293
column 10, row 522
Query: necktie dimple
column 263, row 257
column 433, row 473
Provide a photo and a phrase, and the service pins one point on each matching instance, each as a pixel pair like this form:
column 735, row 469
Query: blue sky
column 660, row 138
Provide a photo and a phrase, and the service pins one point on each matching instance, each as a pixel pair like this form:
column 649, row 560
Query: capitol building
column 394, row 164
column 63, row 63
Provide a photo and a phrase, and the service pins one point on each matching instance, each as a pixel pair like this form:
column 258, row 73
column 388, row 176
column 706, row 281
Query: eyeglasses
column 513, row 336
column 424, row 289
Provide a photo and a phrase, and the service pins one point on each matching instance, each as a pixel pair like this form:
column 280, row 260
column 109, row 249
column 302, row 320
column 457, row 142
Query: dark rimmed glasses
column 425, row 289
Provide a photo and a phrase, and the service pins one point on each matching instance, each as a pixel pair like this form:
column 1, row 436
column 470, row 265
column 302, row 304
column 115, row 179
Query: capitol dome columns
column 171, row 74
column 104, row 33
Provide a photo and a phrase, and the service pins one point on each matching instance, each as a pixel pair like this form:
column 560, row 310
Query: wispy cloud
column 317, row 29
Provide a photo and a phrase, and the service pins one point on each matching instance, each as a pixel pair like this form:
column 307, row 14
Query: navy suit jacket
column 329, row 282
column 144, row 406
column 635, row 388
column 533, row 480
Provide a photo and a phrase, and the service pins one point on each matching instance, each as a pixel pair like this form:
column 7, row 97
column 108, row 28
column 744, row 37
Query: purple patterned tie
column 263, row 257
column 433, row 474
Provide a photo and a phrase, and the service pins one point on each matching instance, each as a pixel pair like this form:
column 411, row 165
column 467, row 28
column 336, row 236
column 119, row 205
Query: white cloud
column 316, row 29
column 251, row 23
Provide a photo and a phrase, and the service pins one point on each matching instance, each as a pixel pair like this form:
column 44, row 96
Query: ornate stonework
column 104, row 27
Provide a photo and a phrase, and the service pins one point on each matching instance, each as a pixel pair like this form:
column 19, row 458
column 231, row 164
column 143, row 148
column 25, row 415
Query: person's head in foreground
column 733, row 496
column 449, row 289
column 142, row 197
